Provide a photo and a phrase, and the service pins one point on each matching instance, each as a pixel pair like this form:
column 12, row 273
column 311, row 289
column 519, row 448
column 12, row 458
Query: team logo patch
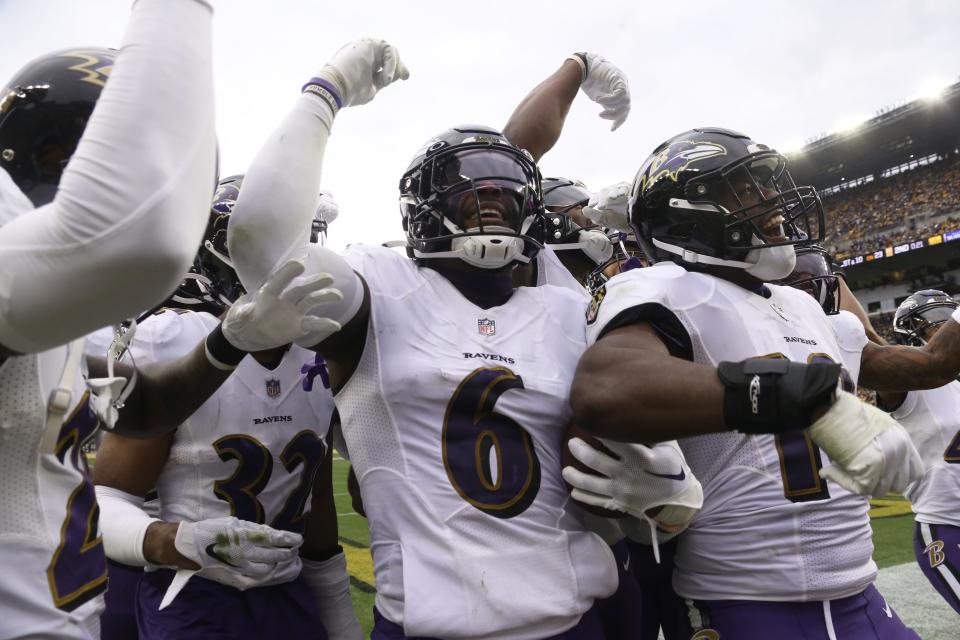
column 594, row 309
column 486, row 326
column 676, row 158
column 273, row 388
column 93, row 70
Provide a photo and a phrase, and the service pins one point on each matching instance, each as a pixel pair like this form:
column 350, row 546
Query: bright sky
column 781, row 71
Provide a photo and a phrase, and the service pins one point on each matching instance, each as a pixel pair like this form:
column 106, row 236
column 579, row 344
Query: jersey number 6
column 489, row 458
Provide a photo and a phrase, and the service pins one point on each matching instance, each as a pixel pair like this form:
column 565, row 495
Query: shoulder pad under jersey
column 666, row 284
column 385, row 270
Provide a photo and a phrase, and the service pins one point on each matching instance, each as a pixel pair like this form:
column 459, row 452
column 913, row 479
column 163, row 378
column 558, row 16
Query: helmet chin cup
column 771, row 263
column 488, row 251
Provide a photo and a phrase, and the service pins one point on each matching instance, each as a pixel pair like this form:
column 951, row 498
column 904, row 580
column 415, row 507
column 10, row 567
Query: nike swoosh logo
column 886, row 610
column 626, row 564
column 668, row 476
column 212, row 552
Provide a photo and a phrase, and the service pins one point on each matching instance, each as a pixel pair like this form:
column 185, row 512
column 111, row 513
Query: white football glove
column 361, row 68
column 276, row 313
column 240, row 553
column 643, row 479
column 606, row 85
column 608, row 207
column 871, row 453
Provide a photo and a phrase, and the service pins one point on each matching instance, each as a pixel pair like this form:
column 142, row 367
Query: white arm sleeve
column 135, row 197
column 330, row 583
column 123, row 525
column 271, row 221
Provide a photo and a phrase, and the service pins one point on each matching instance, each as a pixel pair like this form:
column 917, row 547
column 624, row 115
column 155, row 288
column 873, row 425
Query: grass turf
column 890, row 517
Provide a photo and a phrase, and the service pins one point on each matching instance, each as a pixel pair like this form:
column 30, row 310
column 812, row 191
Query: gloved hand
column 596, row 245
column 238, row 546
column 276, row 313
column 637, row 482
column 361, row 68
column 608, row 207
column 606, row 85
column 871, row 454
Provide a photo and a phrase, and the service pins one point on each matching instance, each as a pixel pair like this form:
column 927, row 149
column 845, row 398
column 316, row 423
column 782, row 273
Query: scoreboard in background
column 888, row 252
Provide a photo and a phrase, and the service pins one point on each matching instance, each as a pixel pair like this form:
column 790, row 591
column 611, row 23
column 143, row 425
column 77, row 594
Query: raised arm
column 536, row 123
column 903, row 368
column 271, row 220
column 132, row 202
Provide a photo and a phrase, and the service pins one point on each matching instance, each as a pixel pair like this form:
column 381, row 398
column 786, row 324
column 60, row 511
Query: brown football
column 568, row 460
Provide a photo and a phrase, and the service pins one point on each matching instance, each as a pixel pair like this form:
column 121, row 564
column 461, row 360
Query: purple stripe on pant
column 938, row 555
column 622, row 614
column 865, row 616
column 588, row 628
column 209, row 610
column 662, row 608
column 119, row 619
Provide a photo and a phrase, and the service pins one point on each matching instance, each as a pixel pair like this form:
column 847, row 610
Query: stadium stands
column 917, row 203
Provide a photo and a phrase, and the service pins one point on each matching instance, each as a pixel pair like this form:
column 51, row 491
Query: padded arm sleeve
column 271, row 221
column 134, row 199
column 123, row 525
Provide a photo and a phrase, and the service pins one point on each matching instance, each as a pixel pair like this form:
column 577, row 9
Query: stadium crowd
column 880, row 214
column 532, row 413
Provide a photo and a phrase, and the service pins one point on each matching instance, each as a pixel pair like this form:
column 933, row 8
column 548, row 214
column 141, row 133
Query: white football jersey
column 454, row 420
column 933, row 419
column 551, row 271
column 770, row 527
column 253, row 449
column 55, row 570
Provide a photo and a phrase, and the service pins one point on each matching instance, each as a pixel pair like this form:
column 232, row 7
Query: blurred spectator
column 877, row 215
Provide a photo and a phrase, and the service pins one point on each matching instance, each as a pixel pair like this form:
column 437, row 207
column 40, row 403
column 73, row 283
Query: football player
column 933, row 419
column 644, row 600
column 450, row 384
column 98, row 216
column 253, row 454
column 747, row 376
column 574, row 246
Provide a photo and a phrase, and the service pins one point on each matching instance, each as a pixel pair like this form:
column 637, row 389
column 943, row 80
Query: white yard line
column 918, row 604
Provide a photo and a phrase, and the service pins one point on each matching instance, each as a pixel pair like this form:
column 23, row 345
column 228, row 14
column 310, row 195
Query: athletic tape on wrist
column 580, row 59
column 325, row 90
column 220, row 353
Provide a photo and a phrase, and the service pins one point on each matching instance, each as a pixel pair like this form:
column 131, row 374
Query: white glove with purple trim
column 359, row 69
column 638, row 481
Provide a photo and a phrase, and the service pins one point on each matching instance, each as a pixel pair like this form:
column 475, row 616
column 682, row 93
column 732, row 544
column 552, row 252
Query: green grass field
column 890, row 517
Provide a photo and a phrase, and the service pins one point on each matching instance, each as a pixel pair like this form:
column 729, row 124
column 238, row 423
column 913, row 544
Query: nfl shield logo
column 273, row 388
column 486, row 327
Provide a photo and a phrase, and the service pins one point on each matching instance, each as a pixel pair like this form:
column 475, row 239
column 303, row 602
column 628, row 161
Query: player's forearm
column 645, row 396
column 271, row 220
column 159, row 547
column 133, row 201
column 536, row 123
column 166, row 393
column 903, row 368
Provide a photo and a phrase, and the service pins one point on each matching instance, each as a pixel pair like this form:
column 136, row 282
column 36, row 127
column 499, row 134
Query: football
column 568, row 460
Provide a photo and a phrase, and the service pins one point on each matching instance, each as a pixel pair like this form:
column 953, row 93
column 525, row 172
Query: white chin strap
column 774, row 263
column 595, row 244
column 488, row 251
column 767, row 264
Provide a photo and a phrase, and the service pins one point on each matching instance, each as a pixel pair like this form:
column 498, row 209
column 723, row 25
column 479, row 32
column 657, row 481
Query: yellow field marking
column 889, row 506
column 359, row 563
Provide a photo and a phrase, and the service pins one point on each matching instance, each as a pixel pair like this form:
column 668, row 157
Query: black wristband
column 220, row 352
column 767, row 395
